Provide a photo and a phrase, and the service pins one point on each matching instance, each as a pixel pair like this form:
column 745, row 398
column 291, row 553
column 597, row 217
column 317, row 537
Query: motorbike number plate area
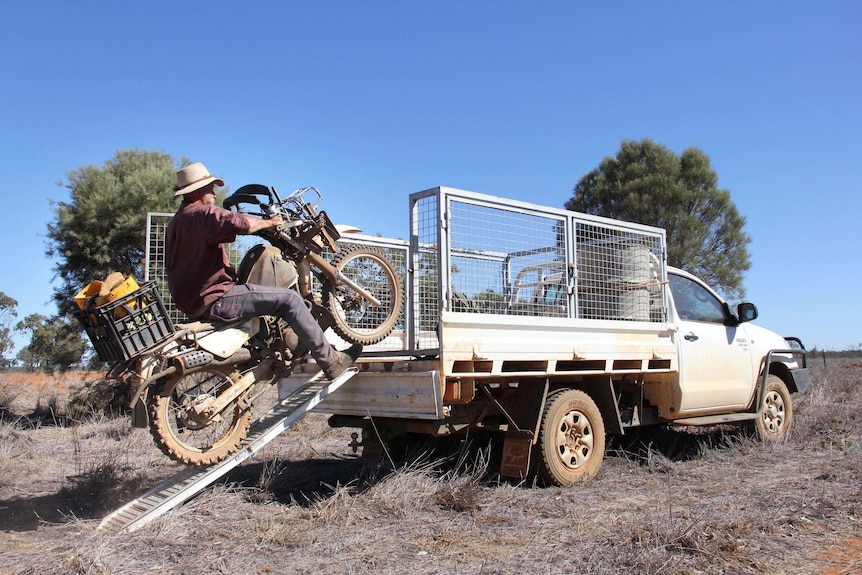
column 223, row 343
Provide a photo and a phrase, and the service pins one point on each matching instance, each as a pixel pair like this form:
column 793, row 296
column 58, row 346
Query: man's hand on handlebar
column 260, row 224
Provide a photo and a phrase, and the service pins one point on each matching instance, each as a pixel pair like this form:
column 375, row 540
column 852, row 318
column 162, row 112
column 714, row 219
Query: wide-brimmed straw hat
column 194, row 177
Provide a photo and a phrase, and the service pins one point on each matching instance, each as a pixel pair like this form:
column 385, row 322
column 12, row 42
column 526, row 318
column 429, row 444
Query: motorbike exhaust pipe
column 198, row 358
column 201, row 358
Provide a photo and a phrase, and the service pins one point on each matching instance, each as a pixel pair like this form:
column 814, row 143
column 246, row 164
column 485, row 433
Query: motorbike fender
column 347, row 229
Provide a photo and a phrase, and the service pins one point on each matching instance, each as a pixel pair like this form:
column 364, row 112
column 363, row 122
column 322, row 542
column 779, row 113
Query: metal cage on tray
column 473, row 253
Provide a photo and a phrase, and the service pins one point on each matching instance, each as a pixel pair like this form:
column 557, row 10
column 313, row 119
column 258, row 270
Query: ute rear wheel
column 571, row 438
column 182, row 433
column 777, row 411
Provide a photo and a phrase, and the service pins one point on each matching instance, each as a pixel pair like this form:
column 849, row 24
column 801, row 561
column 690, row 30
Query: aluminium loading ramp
column 192, row 480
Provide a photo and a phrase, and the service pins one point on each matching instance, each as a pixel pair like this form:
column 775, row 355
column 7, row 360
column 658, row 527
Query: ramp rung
column 191, row 480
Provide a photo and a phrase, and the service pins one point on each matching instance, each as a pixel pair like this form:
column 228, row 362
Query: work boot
column 345, row 360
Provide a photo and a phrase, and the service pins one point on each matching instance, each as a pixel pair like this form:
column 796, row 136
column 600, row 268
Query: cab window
column 555, row 295
column 694, row 302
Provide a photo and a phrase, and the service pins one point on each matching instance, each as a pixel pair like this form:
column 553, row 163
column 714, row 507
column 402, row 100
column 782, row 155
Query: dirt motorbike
column 196, row 390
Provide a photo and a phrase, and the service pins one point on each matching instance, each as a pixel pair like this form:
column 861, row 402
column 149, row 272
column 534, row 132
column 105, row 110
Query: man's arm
column 258, row 224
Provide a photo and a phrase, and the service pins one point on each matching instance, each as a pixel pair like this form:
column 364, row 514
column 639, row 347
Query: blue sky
column 370, row 101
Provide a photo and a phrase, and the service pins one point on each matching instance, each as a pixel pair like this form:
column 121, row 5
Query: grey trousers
column 246, row 301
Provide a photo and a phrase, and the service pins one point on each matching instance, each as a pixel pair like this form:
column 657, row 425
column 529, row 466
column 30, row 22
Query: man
column 204, row 284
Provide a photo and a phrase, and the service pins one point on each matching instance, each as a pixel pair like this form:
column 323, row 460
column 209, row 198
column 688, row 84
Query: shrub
column 102, row 396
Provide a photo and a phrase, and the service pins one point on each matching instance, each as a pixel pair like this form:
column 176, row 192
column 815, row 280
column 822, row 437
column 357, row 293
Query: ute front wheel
column 356, row 319
column 572, row 438
column 777, row 412
column 184, row 434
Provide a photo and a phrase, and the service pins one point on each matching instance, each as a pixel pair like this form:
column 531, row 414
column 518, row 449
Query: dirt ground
column 675, row 502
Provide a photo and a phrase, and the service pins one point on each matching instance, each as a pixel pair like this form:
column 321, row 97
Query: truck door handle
column 691, row 337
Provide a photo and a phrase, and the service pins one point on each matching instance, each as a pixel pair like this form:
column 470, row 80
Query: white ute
column 553, row 329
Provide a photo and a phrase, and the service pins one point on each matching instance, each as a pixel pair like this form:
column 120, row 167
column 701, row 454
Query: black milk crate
column 128, row 326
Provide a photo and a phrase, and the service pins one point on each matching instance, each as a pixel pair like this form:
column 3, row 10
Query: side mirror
column 746, row 312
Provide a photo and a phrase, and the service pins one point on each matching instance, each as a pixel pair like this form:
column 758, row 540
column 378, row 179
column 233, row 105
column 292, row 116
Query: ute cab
column 721, row 354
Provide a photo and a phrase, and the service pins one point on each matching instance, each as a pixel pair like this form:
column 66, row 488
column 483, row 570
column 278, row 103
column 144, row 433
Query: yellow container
column 83, row 297
column 91, row 293
column 128, row 286
column 124, row 289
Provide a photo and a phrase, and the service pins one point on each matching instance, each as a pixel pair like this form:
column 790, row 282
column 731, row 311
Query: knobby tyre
column 357, row 320
column 188, row 437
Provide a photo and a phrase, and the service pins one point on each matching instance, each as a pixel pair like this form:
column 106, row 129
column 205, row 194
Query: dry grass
column 716, row 502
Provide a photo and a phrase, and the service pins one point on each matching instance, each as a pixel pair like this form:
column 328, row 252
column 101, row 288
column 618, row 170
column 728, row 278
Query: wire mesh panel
column 424, row 293
column 506, row 261
column 472, row 253
column 154, row 266
column 491, row 256
column 619, row 274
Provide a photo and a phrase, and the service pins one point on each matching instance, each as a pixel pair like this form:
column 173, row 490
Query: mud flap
column 518, row 444
column 516, row 455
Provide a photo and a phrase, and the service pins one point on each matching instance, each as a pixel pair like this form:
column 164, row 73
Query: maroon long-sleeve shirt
column 197, row 265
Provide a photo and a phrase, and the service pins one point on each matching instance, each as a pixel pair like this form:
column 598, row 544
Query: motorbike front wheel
column 182, row 433
column 356, row 319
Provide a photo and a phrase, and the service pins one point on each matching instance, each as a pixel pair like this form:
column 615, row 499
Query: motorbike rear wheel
column 190, row 438
column 356, row 319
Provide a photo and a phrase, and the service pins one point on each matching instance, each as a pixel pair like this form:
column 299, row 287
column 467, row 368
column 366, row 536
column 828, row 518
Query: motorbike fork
column 340, row 277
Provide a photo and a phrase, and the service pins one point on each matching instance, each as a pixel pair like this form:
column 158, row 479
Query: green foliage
column 839, row 435
column 55, row 344
column 8, row 311
column 102, row 228
column 649, row 184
